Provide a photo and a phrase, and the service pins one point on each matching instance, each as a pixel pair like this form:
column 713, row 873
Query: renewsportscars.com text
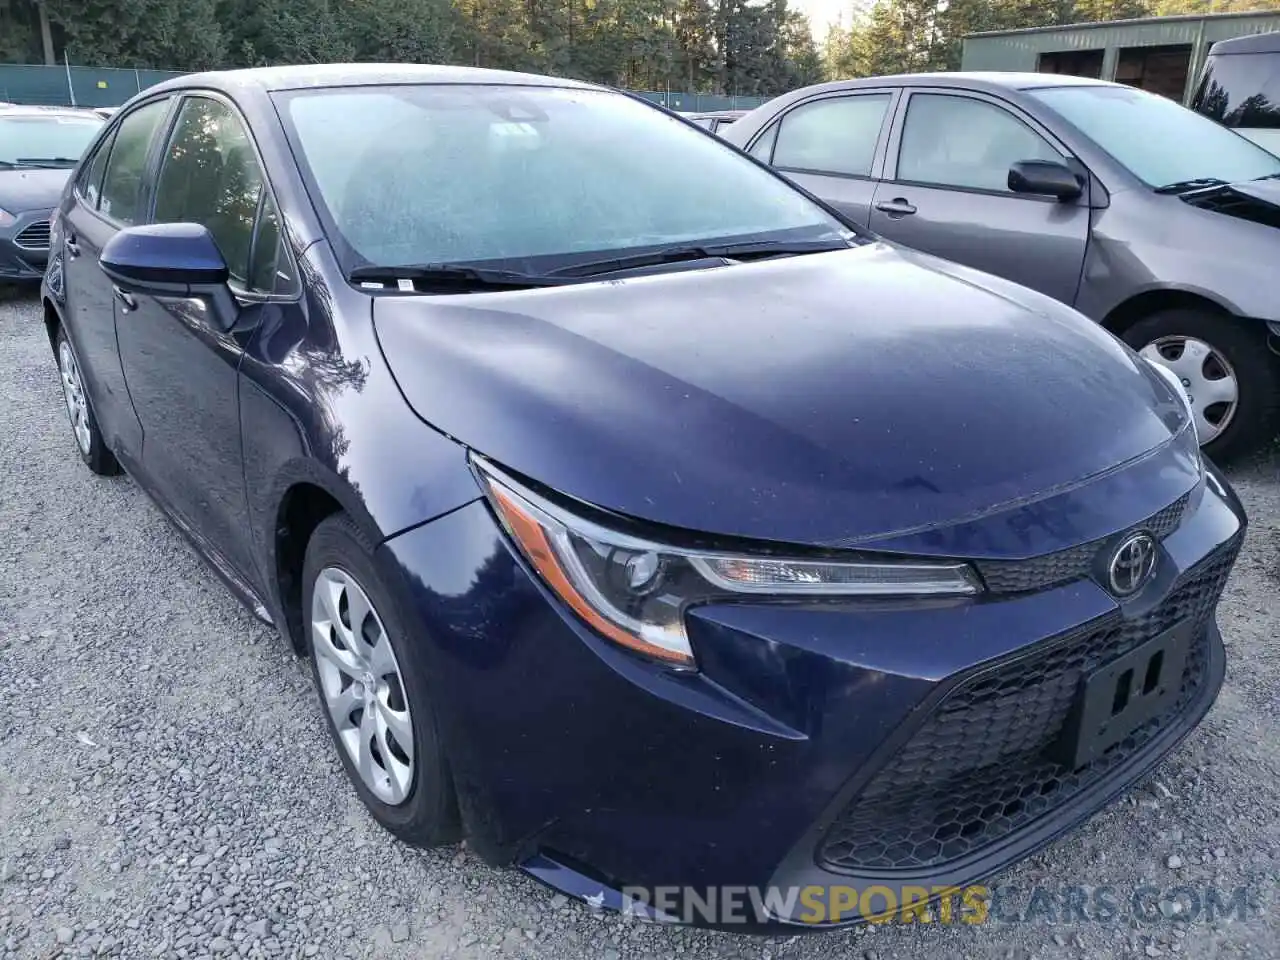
column 975, row 904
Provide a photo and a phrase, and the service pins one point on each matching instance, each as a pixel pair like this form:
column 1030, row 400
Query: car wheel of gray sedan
column 84, row 426
column 1224, row 364
column 372, row 688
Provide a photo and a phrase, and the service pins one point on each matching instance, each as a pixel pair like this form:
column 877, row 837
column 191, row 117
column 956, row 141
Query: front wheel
column 84, row 425
column 372, row 689
column 1224, row 363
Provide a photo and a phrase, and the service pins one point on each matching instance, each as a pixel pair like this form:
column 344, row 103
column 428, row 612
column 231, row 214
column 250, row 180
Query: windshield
column 535, row 176
column 55, row 138
column 1160, row 142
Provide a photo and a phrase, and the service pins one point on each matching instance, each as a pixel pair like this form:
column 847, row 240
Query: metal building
column 1161, row 54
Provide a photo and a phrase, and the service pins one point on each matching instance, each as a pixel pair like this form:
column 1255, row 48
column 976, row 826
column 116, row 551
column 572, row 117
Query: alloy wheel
column 1206, row 375
column 73, row 394
column 362, row 686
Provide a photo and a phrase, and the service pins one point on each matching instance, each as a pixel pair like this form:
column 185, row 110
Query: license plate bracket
column 1121, row 695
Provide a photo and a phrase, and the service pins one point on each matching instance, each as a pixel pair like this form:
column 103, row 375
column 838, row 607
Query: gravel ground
column 167, row 788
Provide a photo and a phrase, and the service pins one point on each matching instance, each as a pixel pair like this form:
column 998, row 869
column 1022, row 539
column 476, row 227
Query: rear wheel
column 1224, row 364
column 84, row 425
column 373, row 690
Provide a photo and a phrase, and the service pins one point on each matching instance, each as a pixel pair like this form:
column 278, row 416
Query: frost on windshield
column 422, row 175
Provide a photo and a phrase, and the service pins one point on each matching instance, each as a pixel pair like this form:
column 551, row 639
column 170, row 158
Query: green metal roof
column 1141, row 22
column 1021, row 50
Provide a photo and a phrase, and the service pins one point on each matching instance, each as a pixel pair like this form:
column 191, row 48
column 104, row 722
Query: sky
column 822, row 13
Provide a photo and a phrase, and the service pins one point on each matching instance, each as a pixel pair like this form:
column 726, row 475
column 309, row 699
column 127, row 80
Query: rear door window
column 833, row 135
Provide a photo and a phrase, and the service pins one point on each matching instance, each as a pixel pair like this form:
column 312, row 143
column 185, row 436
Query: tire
column 419, row 807
column 1243, row 346
column 84, row 425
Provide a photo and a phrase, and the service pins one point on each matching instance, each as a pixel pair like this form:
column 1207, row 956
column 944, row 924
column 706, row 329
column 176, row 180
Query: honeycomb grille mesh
column 979, row 768
column 1074, row 563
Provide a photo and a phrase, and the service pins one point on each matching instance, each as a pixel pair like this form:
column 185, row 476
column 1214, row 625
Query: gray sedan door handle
column 127, row 302
column 897, row 207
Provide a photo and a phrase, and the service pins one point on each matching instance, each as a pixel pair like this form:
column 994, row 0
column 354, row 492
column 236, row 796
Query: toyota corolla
column 643, row 522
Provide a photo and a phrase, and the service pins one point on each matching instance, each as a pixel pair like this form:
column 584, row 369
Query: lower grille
column 35, row 236
column 981, row 766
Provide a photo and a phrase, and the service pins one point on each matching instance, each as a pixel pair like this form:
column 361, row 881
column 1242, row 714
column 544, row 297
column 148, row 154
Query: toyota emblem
column 1131, row 564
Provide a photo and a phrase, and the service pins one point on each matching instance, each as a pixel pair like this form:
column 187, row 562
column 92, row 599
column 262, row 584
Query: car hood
column 1257, row 201
column 821, row 399
column 31, row 189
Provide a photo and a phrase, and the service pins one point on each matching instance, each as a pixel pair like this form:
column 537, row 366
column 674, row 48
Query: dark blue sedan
column 644, row 522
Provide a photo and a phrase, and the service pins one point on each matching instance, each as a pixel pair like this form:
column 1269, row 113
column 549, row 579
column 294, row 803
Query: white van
column 1240, row 87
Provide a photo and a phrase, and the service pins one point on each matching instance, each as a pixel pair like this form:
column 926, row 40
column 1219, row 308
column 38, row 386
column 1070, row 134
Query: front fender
column 1223, row 260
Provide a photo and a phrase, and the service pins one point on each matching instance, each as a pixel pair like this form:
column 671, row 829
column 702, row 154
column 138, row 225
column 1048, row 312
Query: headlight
column 1179, row 391
column 6, row 217
column 635, row 591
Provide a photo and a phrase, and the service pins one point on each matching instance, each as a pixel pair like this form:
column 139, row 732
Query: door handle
column 127, row 302
column 897, row 207
column 73, row 248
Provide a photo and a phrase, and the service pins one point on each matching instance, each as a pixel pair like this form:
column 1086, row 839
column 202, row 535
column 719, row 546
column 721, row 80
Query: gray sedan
column 1154, row 221
column 39, row 146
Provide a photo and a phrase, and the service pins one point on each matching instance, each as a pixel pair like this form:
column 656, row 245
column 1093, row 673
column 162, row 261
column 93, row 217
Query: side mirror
column 1045, row 177
column 171, row 260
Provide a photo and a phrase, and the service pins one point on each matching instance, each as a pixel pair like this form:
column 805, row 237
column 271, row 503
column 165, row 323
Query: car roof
column 357, row 74
column 992, row 81
column 1255, row 43
column 716, row 114
column 35, row 110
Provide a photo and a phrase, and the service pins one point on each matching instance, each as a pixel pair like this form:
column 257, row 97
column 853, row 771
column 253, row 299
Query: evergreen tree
column 745, row 47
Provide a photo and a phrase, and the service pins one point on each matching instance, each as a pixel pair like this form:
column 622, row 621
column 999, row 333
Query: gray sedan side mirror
column 1045, row 177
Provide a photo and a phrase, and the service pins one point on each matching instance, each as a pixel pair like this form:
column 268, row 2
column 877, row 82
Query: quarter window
column 835, row 135
column 952, row 141
column 210, row 175
column 89, row 186
column 269, row 270
column 122, row 186
column 763, row 148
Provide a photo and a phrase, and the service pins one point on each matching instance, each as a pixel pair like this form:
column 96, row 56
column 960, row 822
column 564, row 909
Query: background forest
column 743, row 47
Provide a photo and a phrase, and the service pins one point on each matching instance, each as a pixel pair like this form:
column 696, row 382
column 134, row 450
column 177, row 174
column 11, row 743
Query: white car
column 1240, row 88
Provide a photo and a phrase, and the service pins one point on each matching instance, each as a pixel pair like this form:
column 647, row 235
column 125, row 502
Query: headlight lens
column 1175, row 384
column 6, row 217
column 635, row 592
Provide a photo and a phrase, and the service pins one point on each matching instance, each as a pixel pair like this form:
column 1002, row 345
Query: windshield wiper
column 461, row 275
column 1183, row 185
column 703, row 251
column 451, row 275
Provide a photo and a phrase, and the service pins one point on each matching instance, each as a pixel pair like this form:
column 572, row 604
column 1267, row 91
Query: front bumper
column 830, row 746
column 24, row 246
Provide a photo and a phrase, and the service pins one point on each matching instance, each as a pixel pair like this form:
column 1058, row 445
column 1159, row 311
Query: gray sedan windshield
column 45, row 138
column 458, row 173
column 1159, row 141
